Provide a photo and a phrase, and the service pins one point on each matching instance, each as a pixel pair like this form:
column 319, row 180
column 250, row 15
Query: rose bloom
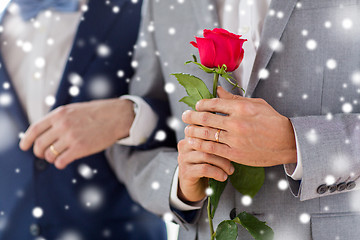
column 219, row 47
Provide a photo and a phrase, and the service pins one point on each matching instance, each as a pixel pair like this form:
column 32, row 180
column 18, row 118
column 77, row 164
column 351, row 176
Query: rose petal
column 223, row 49
column 206, row 51
column 241, row 57
column 236, row 46
column 228, row 48
column 223, row 31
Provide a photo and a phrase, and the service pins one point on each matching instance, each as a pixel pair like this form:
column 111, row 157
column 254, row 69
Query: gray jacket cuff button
column 332, row 188
column 322, row 189
column 341, row 186
column 351, row 185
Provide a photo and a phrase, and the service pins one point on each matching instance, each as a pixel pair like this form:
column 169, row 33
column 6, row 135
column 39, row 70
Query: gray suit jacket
column 300, row 86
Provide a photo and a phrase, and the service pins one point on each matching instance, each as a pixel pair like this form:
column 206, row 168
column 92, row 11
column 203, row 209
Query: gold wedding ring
column 217, row 135
column 53, row 150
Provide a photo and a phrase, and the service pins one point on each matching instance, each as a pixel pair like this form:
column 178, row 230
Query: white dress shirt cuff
column 144, row 123
column 295, row 170
column 175, row 202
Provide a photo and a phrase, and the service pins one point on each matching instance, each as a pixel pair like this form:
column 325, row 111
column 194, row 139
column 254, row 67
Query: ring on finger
column 53, row 150
column 217, row 135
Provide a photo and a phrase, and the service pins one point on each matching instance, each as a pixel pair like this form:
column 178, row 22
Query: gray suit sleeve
column 148, row 80
column 147, row 174
column 330, row 154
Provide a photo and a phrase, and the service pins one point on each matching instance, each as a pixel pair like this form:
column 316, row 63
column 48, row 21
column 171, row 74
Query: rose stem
column 215, row 84
column 210, row 219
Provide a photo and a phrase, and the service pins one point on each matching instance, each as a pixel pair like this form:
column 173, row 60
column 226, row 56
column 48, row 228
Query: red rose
column 220, row 47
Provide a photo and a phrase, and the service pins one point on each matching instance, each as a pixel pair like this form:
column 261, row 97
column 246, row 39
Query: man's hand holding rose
column 252, row 133
column 195, row 167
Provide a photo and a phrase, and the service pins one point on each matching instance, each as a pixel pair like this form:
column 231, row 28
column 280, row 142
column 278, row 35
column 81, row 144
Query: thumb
column 222, row 93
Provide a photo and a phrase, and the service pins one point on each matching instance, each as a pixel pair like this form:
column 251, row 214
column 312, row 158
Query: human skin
column 252, row 133
column 78, row 130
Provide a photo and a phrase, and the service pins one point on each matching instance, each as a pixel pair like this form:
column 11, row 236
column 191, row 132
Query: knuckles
column 204, row 118
column 184, row 168
column 64, row 124
column 260, row 100
column 188, row 131
column 49, row 157
column 208, row 104
column 213, row 103
column 200, row 104
column 72, row 137
column 204, row 146
column 206, row 133
column 205, row 157
column 238, row 126
column 204, row 170
column 61, row 111
column 209, row 147
column 80, row 143
column 38, row 148
column 63, row 115
column 245, row 108
column 236, row 97
column 196, row 144
column 196, row 171
column 34, row 129
column 37, row 153
column 200, row 132
column 186, row 174
column 181, row 145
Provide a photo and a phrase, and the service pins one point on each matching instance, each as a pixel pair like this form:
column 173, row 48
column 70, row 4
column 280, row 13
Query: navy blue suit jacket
column 63, row 195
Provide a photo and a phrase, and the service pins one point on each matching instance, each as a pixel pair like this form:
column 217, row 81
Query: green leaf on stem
column 190, row 101
column 194, row 87
column 217, row 188
column 247, row 180
column 258, row 229
column 227, row 230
